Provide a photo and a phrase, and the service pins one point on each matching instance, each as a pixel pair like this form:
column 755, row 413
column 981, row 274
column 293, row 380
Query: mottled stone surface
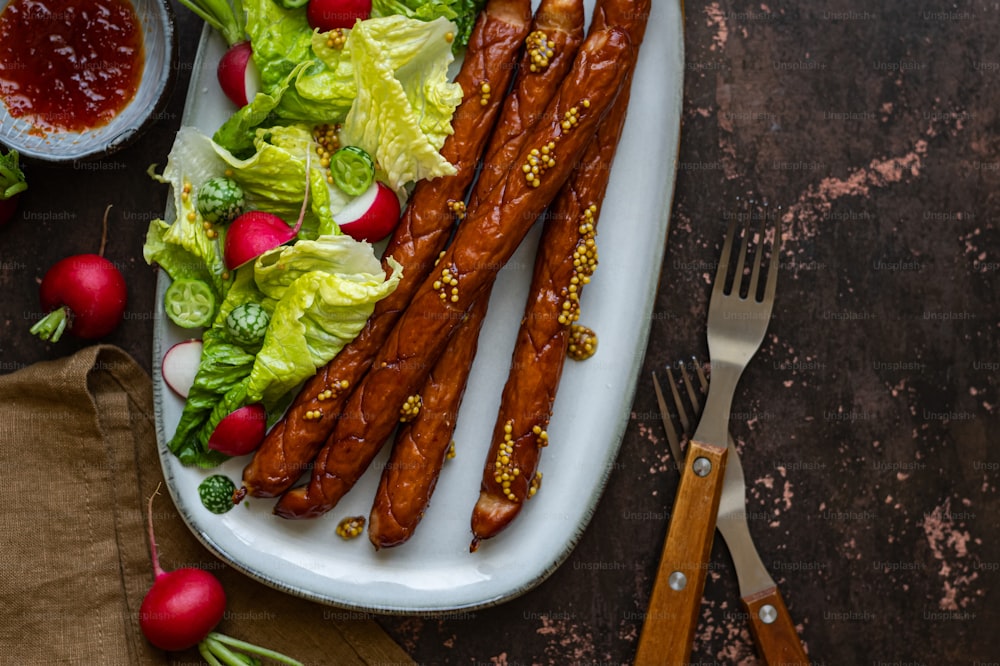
column 868, row 423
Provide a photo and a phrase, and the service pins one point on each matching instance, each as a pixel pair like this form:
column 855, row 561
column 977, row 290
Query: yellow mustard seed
column 351, row 527
column 582, row 343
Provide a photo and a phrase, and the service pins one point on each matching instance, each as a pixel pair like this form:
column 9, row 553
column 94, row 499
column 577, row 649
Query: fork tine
column 673, row 439
column 723, row 267
column 692, row 394
column 679, row 403
column 758, row 255
column 741, row 263
column 702, row 379
column 772, row 270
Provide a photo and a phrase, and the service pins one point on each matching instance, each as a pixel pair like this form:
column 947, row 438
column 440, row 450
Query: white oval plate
column 434, row 571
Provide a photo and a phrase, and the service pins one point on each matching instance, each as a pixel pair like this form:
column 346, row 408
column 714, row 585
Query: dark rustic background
column 870, row 417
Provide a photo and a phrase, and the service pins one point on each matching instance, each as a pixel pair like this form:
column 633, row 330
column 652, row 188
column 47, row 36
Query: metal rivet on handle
column 701, row 466
column 677, row 581
column 767, row 613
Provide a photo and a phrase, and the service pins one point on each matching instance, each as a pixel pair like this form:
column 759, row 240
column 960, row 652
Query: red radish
column 238, row 75
column 84, row 294
column 180, row 365
column 332, row 14
column 182, row 608
column 371, row 216
column 253, row 233
column 240, row 432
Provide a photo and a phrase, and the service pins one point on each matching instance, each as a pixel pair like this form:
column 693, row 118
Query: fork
column 736, row 328
column 770, row 622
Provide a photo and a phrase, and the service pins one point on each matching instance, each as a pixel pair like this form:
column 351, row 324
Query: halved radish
column 240, row 432
column 255, row 232
column 238, row 75
column 371, row 216
column 180, row 365
column 252, row 234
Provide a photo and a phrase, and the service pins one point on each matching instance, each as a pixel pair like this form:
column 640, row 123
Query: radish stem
column 207, row 655
column 225, row 17
column 224, row 654
column 154, row 555
column 254, row 649
column 104, row 232
column 51, row 326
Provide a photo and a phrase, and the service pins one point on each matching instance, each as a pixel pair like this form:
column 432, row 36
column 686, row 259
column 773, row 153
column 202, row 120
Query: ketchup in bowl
column 69, row 65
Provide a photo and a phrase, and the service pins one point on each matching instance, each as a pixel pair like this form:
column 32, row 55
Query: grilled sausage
column 419, row 449
column 483, row 243
column 424, row 229
column 566, row 258
column 422, row 444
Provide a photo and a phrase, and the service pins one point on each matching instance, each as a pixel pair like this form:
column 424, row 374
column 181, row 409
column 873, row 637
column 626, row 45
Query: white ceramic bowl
column 159, row 69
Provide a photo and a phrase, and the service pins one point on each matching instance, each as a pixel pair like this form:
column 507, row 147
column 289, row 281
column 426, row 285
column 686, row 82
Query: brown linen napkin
column 77, row 463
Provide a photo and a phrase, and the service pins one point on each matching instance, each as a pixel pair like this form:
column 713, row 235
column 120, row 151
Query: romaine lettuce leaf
column 319, row 295
column 238, row 133
column 280, row 38
column 324, row 89
column 181, row 247
column 402, row 113
column 223, row 368
column 388, row 84
column 272, row 178
column 462, row 12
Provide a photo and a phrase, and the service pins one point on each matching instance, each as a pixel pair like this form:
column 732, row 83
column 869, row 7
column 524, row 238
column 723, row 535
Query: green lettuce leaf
column 402, row 113
column 461, row 12
column 174, row 258
column 325, row 291
column 323, row 89
column 237, row 135
column 281, row 40
column 273, row 179
column 223, row 369
column 181, row 246
column 388, row 85
column 319, row 295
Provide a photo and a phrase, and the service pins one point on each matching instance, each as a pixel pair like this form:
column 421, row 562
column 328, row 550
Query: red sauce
column 69, row 64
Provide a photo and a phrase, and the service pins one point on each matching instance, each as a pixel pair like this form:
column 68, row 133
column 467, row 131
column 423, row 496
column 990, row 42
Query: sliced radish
column 240, row 432
column 372, row 216
column 180, row 365
column 238, row 75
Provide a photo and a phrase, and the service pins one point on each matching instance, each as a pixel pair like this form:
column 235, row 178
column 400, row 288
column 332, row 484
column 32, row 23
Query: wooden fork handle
column 773, row 630
column 672, row 616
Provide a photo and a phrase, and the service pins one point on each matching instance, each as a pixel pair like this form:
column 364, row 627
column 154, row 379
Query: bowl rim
column 128, row 135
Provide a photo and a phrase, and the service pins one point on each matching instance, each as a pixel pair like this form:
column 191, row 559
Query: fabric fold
column 78, row 461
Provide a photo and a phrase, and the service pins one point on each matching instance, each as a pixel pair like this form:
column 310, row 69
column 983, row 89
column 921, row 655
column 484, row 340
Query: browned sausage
column 419, row 449
column 551, row 46
column 483, row 243
column 566, row 258
column 422, row 444
column 424, row 229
